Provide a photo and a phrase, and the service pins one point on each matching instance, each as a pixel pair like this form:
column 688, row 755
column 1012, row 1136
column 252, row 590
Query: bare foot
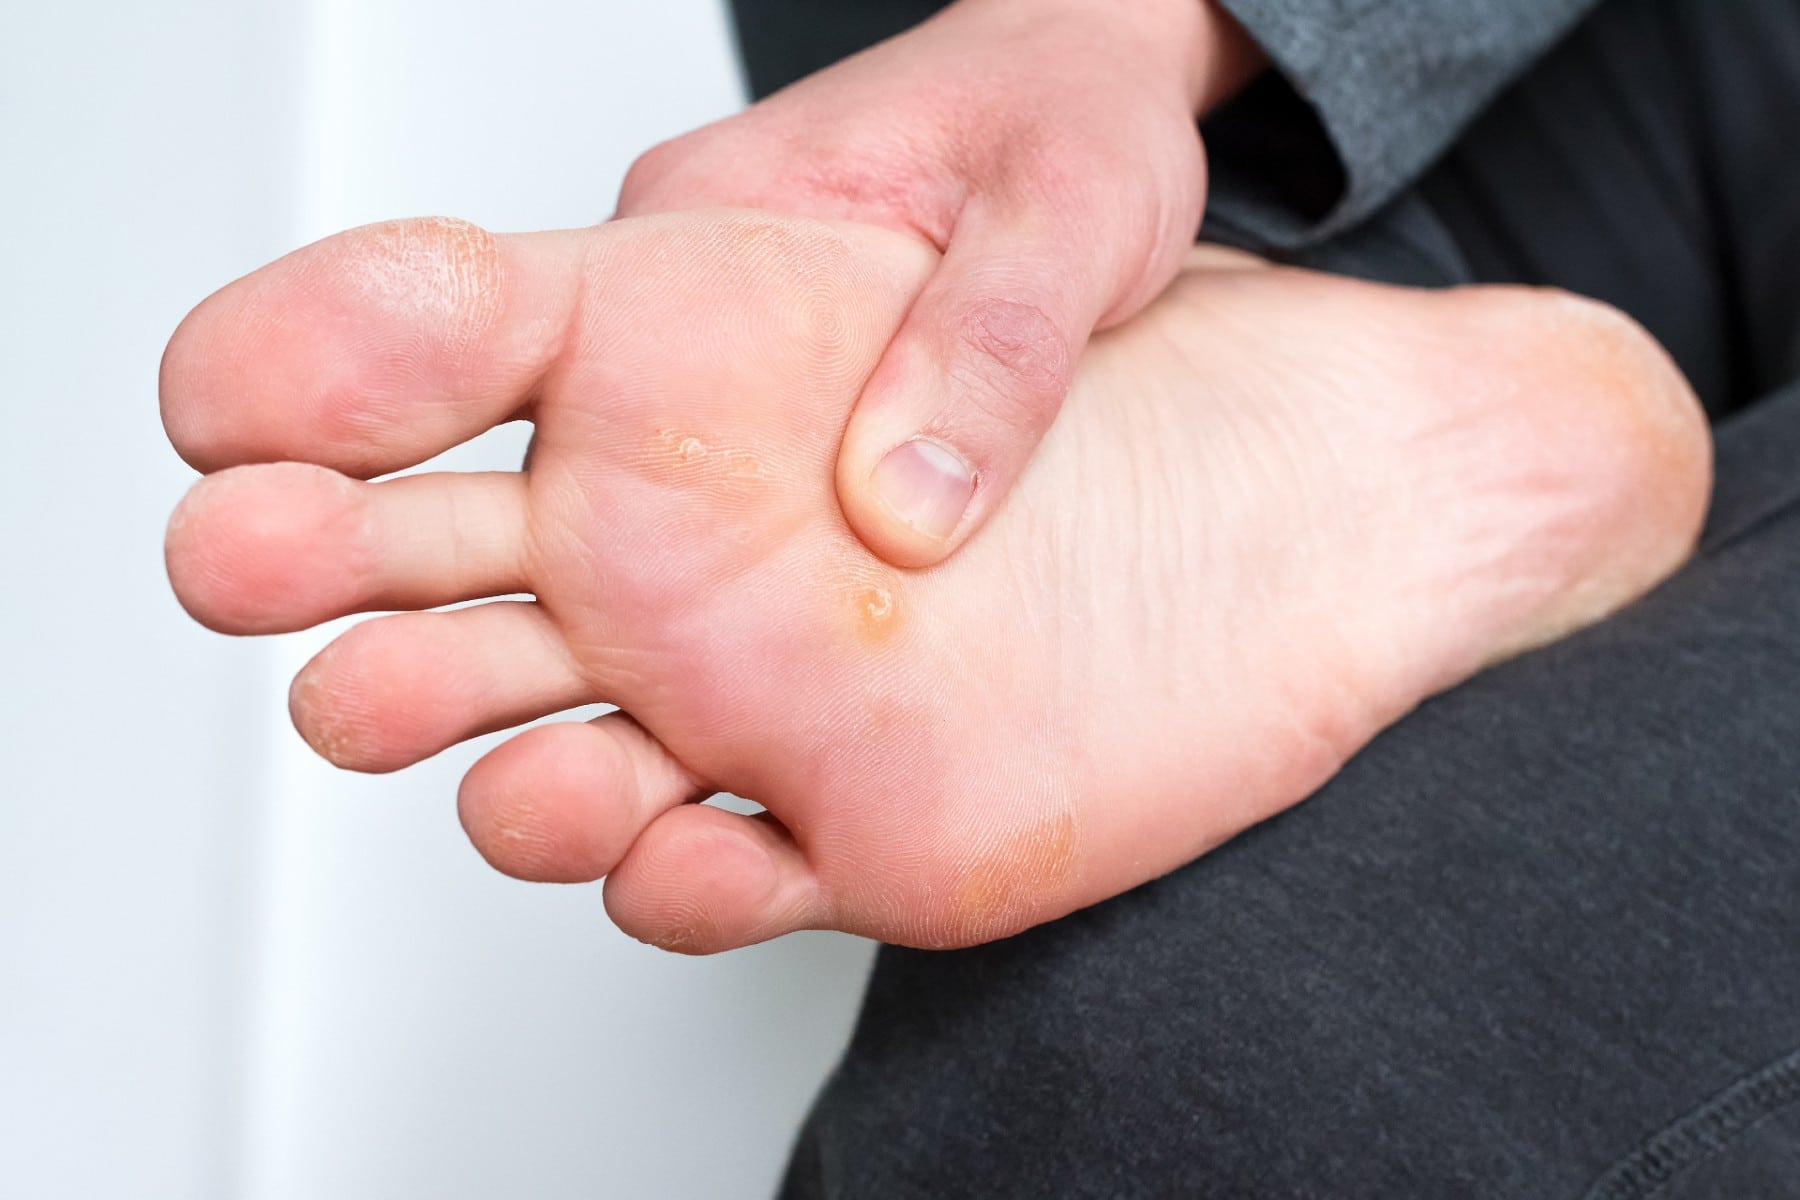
column 1279, row 510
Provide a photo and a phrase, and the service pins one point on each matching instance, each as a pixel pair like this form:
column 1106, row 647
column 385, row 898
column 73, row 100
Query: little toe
column 563, row 803
column 700, row 880
column 372, row 350
column 284, row 546
column 396, row 690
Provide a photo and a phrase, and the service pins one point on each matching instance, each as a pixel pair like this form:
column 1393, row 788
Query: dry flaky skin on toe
column 1279, row 510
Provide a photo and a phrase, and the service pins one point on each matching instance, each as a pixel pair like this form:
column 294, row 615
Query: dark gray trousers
column 1541, row 939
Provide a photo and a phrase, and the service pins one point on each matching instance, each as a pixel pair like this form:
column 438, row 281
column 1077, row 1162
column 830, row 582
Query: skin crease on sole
column 1278, row 511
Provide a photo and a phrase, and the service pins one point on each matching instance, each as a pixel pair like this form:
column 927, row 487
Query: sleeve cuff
column 1362, row 97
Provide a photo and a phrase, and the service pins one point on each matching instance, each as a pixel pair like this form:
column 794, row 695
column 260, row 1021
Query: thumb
column 966, row 389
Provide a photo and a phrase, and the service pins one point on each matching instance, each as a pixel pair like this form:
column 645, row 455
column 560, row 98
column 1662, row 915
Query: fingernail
column 927, row 485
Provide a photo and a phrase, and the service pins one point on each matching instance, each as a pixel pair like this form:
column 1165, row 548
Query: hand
column 1049, row 150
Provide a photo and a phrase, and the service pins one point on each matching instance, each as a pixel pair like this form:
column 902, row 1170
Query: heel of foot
column 1648, row 413
column 1622, row 436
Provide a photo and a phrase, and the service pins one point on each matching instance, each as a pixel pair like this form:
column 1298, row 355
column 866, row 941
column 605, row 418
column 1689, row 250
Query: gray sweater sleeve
column 1366, row 94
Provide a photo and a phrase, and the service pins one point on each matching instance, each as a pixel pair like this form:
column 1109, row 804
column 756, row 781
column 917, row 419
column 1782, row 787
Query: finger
column 372, row 350
column 563, row 803
column 699, row 880
column 969, row 385
column 283, row 546
column 396, row 690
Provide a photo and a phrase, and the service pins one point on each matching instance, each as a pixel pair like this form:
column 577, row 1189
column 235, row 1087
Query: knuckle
column 725, row 163
column 896, row 187
column 1072, row 175
column 646, row 174
column 1016, row 362
column 655, row 176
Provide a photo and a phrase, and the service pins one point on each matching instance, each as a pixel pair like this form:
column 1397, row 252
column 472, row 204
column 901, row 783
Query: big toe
column 371, row 350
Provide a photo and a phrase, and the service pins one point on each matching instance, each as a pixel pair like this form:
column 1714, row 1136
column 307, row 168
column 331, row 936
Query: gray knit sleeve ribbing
column 1390, row 84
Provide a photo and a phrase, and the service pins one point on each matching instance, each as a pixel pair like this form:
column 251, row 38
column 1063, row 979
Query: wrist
column 1222, row 58
column 1196, row 44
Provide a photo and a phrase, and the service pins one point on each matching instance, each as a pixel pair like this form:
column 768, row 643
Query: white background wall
column 225, row 969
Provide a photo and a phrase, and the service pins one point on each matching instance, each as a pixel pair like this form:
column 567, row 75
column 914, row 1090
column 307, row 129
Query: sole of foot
column 1278, row 511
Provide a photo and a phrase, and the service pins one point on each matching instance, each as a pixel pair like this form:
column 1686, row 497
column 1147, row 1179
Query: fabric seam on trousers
column 1702, row 1133
column 1746, row 527
column 1750, row 528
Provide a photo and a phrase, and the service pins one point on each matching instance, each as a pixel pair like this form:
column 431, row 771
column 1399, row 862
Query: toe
column 285, row 546
column 562, row 803
column 700, row 880
column 372, row 350
column 395, row 690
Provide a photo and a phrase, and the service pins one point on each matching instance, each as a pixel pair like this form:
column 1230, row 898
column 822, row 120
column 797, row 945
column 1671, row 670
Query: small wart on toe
column 877, row 614
column 695, row 460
